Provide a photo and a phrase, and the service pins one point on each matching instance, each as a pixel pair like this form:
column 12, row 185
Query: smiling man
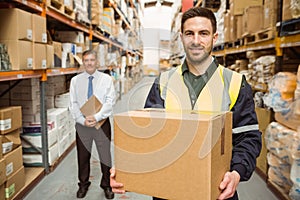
column 201, row 84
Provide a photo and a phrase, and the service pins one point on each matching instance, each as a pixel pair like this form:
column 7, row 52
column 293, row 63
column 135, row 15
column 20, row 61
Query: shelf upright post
column 278, row 49
column 44, row 5
column 90, row 18
column 44, row 125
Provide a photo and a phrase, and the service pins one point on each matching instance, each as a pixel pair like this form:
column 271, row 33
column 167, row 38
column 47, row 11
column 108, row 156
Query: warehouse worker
column 83, row 86
column 200, row 83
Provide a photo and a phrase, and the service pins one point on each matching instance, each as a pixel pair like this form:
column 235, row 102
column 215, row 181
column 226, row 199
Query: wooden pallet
column 259, row 36
column 61, row 8
column 237, row 43
column 56, row 4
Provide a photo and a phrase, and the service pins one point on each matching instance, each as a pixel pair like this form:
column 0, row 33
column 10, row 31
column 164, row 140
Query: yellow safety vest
column 219, row 94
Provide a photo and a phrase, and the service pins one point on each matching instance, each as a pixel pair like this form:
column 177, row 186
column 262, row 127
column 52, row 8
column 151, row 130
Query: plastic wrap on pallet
column 81, row 9
column 281, row 91
column 295, row 8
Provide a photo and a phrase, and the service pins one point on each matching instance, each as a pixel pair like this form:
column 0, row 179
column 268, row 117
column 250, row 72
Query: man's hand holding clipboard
column 91, row 107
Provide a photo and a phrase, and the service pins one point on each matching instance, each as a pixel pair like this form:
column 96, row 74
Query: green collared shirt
column 194, row 83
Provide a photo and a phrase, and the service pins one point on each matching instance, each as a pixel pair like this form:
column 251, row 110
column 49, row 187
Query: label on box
column 29, row 34
column 7, row 147
column 44, row 37
column 9, row 169
column 10, row 191
column 5, row 124
column 29, row 63
column 44, row 64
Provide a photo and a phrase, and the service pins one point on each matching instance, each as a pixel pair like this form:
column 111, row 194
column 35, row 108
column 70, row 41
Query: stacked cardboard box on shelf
column 11, row 163
column 25, row 37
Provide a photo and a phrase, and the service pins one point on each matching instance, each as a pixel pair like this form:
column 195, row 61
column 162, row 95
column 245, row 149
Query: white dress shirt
column 103, row 89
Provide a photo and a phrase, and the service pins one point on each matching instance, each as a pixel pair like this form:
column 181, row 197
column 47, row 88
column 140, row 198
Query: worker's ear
column 215, row 37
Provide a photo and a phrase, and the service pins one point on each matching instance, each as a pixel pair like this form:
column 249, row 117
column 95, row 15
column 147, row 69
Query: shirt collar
column 95, row 74
column 210, row 70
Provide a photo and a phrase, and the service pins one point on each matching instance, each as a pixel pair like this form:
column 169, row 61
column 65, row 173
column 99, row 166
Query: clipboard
column 91, row 107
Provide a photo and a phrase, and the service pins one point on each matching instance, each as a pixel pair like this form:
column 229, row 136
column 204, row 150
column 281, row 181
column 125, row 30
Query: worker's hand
column 229, row 184
column 116, row 187
column 90, row 121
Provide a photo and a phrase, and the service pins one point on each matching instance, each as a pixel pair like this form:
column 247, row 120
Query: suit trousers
column 85, row 136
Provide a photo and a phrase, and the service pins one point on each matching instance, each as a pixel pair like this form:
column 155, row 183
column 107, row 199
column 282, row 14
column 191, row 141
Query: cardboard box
column 50, row 56
column 270, row 14
column 57, row 53
column 30, row 93
column 91, row 107
column 15, row 183
column 10, row 141
column 264, row 118
column 16, row 24
column 14, row 161
column 2, row 172
column 172, row 155
column 40, row 56
column 36, row 139
column 237, row 6
column 36, row 160
column 2, row 191
column 28, row 107
column 252, row 19
column 286, row 10
column 10, row 119
column 20, row 53
column 39, row 28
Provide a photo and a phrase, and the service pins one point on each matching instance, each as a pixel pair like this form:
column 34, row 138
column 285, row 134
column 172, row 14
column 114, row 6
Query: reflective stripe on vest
column 219, row 94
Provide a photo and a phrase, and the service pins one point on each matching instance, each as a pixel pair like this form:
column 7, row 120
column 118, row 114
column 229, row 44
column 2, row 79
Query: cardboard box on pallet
column 10, row 119
column 252, row 19
column 154, row 149
column 237, row 6
column 16, row 24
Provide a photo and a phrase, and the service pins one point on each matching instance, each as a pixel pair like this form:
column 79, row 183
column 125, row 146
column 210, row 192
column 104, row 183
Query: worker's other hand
column 90, row 121
column 229, row 184
column 115, row 186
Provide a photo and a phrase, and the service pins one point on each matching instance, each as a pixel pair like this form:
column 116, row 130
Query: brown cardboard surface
column 15, row 183
column 237, row 6
column 39, row 28
column 16, row 24
column 252, row 19
column 50, row 56
column 172, row 155
column 14, row 161
column 20, row 53
column 39, row 56
column 2, row 191
column 2, row 171
column 10, row 119
column 91, row 107
column 264, row 118
column 11, row 137
column 270, row 14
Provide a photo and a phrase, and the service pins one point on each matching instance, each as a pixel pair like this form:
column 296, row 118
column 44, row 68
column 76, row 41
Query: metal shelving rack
column 42, row 9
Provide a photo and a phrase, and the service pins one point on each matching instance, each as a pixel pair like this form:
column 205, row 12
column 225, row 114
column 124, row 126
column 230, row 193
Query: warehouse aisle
column 61, row 184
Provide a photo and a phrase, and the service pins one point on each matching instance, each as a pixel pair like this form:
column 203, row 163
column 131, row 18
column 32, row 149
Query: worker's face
column 198, row 39
column 90, row 63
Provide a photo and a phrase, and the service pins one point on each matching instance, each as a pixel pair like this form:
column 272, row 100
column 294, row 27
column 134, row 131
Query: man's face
column 90, row 63
column 198, row 39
